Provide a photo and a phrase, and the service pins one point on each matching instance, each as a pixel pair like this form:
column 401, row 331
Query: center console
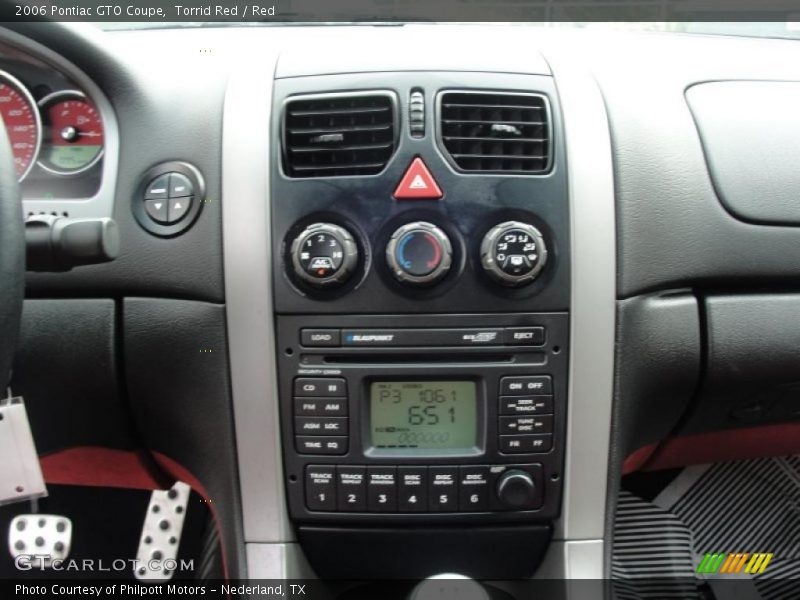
column 421, row 280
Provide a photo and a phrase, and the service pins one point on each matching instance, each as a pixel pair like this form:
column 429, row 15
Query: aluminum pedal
column 44, row 538
column 161, row 533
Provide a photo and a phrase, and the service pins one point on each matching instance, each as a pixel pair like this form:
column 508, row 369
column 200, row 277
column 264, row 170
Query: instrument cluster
column 56, row 132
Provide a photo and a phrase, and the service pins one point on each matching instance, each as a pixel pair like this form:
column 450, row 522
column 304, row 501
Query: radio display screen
column 424, row 415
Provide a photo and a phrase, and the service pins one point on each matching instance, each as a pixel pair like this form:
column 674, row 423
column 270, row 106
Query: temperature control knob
column 516, row 489
column 419, row 253
column 513, row 253
column 324, row 255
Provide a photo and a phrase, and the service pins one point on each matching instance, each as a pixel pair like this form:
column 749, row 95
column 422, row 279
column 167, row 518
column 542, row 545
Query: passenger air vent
column 496, row 132
column 339, row 134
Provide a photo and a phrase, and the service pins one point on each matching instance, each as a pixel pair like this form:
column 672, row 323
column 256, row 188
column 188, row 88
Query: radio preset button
column 525, row 444
column 320, row 387
column 320, row 426
column 524, row 336
column 306, row 444
column 320, row 407
column 443, row 489
column 412, row 495
column 517, row 425
column 473, row 489
column 521, row 386
column 351, row 488
column 319, row 338
column 382, row 489
column 526, row 405
column 320, row 487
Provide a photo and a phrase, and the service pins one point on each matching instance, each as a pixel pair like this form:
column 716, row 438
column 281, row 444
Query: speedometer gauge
column 73, row 133
column 21, row 119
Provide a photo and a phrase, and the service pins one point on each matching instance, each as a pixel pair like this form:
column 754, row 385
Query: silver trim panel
column 247, row 261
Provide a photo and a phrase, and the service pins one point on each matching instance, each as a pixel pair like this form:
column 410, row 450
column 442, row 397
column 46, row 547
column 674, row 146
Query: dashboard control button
column 412, row 494
column 320, row 425
column 419, row 254
column 526, row 405
column 178, row 207
column 320, row 387
column 320, row 487
column 158, row 188
column 524, row 336
column 473, row 488
column 521, row 386
column 417, row 183
column 324, row 255
column 516, row 489
column 513, row 253
column 320, row 407
column 351, row 488
column 382, row 489
column 156, row 210
column 525, row 444
column 321, row 444
column 179, row 186
column 515, row 425
column 320, row 338
column 443, row 489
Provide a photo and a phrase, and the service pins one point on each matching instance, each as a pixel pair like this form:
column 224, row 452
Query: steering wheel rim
column 12, row 260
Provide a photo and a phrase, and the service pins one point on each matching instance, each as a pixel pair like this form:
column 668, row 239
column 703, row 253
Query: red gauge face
column 73, row 134
column 20, row 116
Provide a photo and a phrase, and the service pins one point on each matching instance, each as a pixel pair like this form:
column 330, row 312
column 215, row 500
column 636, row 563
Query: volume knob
column 516, row 489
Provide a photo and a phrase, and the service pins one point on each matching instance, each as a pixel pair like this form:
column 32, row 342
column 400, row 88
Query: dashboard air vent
column 496, row 132
column 339, row 134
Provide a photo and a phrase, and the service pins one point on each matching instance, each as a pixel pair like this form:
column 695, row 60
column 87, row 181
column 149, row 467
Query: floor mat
column 723, row 520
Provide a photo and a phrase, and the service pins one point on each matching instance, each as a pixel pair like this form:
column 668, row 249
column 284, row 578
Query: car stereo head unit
column 446, row 418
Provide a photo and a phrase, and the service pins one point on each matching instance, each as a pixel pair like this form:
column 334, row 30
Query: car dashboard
column 371, row 294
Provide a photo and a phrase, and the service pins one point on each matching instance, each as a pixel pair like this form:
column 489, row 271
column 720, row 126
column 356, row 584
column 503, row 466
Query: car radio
column 447, row 418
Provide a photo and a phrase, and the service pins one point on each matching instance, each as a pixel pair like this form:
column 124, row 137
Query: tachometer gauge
column 73, row 133
column 21, row 119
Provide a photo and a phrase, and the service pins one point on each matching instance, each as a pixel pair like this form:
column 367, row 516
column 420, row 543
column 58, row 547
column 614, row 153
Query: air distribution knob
column 516, row 489
column 324, row 255
column 513, row 253
column 419, row 254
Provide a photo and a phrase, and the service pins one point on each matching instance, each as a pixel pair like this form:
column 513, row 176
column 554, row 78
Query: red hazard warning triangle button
column 418, row 183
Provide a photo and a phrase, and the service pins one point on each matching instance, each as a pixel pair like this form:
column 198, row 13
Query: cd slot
column 374, row 358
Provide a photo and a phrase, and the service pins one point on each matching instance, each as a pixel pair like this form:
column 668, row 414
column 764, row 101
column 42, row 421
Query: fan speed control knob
column 513, row 253
column 516, row 489
column 324, row 255
column 419, row 254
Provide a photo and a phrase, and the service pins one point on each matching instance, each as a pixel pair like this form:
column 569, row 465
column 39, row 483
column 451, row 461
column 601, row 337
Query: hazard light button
column 418, row 183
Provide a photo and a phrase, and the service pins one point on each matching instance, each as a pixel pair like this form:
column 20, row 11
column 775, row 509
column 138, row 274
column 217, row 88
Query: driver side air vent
column 339, row 134
column 496, row 132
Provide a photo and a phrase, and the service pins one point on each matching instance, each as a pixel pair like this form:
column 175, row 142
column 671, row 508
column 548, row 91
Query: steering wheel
column 12, row 260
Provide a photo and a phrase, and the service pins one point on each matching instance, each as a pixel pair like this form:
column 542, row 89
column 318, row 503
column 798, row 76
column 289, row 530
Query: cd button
column 526, row 424
column 412, row 493
column 525, row 444
column 320, row 488
column 526, row 405
column 320, row 387
column 382, row 489
column 474, row 489
column 351, row 488
column 443, row 489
